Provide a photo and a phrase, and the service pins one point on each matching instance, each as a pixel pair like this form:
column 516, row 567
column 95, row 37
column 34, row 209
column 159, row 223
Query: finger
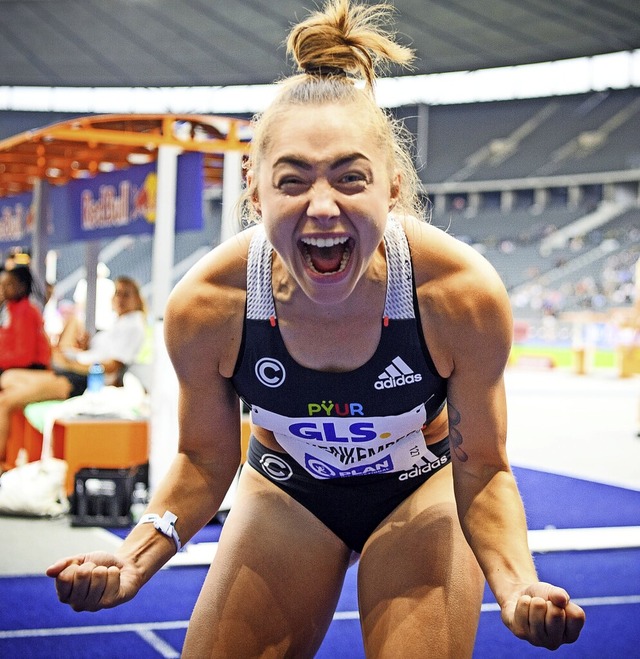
column 575, row 622
column 65, row 582
column 55, row 569
column 537, row 621
column 97, row 584
column 559, row 596
column 80, row 586
column 521, row 617
column 110, row 597
column 555, row 623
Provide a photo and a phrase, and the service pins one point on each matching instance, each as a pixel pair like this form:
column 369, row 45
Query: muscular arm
column 469, row 324
column 489, row 505
column 203, row 325
column 209, row 420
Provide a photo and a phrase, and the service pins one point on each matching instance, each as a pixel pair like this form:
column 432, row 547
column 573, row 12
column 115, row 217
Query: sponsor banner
column 106, row 206
column 15, row 221
column 124, row 202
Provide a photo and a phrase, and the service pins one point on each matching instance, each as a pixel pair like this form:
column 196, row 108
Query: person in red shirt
column 23, row 342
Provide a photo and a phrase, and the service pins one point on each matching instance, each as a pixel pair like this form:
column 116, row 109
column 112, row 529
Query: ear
column 394, row 191
column 254, row 191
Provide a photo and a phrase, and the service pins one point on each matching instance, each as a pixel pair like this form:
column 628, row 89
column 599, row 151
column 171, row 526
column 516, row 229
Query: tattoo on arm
column 455, row 436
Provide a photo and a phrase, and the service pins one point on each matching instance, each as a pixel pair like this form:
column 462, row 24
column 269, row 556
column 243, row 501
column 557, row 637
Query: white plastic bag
column 35, row 489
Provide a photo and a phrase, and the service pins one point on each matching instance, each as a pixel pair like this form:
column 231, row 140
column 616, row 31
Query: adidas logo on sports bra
column 397, row 374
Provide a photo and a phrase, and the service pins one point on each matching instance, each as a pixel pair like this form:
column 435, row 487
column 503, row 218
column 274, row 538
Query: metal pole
column 40, row 237
column 231, row 190
column 164, row 387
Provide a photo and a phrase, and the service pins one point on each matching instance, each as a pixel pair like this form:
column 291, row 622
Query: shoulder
column 463, row 302
column 25, row 308
column 205, row 310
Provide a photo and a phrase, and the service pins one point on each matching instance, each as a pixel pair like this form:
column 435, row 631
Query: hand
column 543, row 615
column 90, row 582
column 82, row 340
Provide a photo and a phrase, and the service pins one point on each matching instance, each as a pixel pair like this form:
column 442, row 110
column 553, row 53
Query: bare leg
column 420, row 587
column 274, row 583
column 21, row 386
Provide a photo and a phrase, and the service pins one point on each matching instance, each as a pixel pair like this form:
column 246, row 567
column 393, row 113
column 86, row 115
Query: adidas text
column 399, row 381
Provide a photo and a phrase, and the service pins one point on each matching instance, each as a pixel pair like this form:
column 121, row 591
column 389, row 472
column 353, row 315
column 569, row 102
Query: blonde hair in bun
column 347, row 37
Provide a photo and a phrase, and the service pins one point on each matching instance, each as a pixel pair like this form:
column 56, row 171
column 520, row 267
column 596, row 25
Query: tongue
column 326, row 259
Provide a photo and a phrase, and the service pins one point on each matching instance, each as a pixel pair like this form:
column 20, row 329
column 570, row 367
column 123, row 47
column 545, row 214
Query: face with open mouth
column 324, row 192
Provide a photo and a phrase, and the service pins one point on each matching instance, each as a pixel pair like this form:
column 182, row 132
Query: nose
column 322, row 202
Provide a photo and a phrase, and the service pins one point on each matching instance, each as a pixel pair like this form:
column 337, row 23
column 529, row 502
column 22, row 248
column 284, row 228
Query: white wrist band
column 164, row 524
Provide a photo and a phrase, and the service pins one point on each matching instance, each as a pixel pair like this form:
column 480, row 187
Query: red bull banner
column 124, row 202
column 106, row 206
column 16, row 223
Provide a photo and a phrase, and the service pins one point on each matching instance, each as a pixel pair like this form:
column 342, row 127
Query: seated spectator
column 23, row 342
column 114, row 349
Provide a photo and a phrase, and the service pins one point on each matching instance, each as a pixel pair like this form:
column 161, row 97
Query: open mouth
column 326, row 256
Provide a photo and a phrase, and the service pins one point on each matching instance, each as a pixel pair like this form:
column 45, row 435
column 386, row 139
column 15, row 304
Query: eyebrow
column 301, row 163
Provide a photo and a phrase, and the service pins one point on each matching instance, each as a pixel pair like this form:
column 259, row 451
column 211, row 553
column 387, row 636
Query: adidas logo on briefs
column 397, row 374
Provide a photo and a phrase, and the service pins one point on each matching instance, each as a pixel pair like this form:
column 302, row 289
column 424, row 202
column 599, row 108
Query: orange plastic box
column 100, row 443
column 22, row 435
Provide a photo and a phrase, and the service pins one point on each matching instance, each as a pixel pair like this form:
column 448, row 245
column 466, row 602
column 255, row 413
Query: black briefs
column 77, row 380
column 351, row 507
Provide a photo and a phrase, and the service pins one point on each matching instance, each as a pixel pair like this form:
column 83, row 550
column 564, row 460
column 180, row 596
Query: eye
column 291, row 185
column 352, row 182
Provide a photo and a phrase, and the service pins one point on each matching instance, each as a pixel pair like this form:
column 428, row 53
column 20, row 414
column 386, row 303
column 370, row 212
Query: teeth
column 325, row 242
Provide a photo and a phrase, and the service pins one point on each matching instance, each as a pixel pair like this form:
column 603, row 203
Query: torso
column 342, row 403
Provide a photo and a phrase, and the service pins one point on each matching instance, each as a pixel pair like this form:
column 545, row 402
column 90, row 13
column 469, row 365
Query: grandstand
column 547, row 189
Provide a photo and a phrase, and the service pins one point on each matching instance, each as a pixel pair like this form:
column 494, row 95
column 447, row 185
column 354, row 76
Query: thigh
column 22, row 386
column 275, row 580
column 420, row 587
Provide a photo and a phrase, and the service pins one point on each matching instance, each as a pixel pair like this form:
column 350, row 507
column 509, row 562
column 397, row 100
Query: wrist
column 164, row 524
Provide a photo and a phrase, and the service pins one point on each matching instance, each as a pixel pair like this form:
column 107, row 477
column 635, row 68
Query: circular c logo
column 270, row 372
column 321, row 469
column 275, row 467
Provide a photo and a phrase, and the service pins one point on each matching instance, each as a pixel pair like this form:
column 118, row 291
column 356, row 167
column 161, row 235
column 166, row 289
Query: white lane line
column 158, row 644
column 541, row 541
column 95, row 629
column 584, row 539
column 140, row 628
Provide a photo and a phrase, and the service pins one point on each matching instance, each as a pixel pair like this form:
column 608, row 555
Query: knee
column 9, row 379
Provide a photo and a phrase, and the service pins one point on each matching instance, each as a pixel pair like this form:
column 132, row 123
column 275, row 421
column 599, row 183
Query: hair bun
column 346, row 38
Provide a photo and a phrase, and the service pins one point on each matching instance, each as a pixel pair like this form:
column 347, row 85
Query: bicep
column 476, row 389
column 208, row 407
column 209, row 420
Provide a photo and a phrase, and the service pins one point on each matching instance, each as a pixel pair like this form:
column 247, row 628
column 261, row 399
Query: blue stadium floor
column 590, row 486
